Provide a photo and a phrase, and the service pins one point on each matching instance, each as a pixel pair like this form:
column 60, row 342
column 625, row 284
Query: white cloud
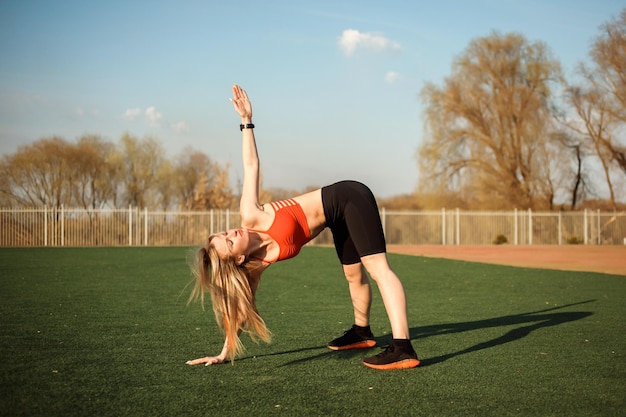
column 180, row 127
column 154, row 117
column 351, row 40
column 392, row 76
column 80, row 112
column 132, row 114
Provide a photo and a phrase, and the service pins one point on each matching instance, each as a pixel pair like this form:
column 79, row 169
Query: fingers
column 244, row 95
column 238, row 95
column 199, row 361
column 214, row 361
column 241, row 102
column 239, row 92
column 208, row 360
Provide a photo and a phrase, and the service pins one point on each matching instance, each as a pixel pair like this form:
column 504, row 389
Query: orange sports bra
column 290, row 229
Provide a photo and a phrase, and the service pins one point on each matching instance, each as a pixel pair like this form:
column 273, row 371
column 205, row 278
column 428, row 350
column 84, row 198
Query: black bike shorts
column 352, row 216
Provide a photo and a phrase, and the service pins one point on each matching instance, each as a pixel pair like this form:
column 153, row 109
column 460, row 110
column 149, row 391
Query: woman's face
column 232, row 244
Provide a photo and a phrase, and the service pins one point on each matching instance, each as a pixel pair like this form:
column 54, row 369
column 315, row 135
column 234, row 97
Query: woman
column 230, row 265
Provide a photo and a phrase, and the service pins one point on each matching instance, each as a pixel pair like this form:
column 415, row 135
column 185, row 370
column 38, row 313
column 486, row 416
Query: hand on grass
column 207, row 360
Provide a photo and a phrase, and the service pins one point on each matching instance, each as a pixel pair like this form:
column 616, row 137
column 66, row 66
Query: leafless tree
column 93, row 176
column 200, row 182
column 38, row 174
column 489, row 128
column 599, row 103
column 139, row 163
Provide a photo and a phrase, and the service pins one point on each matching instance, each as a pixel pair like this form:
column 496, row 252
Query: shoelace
column 353, row 330
column 388, row 351
column 348, row 332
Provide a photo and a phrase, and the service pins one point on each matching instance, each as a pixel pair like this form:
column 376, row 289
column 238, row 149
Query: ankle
column 404, row 344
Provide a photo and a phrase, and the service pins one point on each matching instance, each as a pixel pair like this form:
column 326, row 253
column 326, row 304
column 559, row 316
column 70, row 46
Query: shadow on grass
column 528, row 322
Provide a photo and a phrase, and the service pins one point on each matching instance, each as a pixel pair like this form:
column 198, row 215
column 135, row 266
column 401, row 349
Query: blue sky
column 334, row 84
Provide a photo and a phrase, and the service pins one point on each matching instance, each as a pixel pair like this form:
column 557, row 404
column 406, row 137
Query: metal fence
column 133, row 227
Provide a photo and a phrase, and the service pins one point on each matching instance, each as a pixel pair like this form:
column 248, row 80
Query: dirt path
column 605, row 259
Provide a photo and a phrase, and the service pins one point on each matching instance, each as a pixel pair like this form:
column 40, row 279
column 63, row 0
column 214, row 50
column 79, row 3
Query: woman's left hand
column 208, row 360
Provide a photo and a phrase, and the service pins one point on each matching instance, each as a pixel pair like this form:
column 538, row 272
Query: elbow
column 251, row 166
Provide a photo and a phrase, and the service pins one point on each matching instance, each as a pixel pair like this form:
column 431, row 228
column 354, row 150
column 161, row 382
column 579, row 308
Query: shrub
column 500, row 240
column 574, row 240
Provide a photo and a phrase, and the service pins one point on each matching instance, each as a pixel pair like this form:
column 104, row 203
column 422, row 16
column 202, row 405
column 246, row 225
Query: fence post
column 145, row 226
column 53, row 227
column 211, row 222
column 443, row 226
column 130, row 225
column 515, row 232
column 45, row 225
column 530, row 226
column 585, row 227
column 137, row 227
column 57, row 237
column 62, row 225
column 598, row 229
column 560, row 234
column 458, row 226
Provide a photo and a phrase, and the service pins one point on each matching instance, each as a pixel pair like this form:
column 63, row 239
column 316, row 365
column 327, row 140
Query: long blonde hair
column 232, row 288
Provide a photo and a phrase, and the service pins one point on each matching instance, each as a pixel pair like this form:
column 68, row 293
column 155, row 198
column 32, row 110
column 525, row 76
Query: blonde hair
column 232, row 289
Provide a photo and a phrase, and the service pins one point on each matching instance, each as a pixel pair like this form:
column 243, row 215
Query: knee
column 355, row 274
column 378, row 267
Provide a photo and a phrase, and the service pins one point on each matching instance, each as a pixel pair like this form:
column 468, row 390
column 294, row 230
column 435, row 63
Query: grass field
column 106, row 332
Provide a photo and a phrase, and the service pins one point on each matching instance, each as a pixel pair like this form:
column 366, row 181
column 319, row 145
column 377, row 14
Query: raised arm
column 249, row 206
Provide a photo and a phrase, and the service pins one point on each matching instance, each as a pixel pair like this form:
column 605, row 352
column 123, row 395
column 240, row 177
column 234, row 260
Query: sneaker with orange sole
column 356, row 338
column 394, row 357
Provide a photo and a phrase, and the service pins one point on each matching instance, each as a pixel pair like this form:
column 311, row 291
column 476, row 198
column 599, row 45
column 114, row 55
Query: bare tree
column 599, row 102
column 94, row 178
column 165, row 185
column 489, row 128
column 598, row 125
column 38, row 174
column 609, row 75
column 6, row 199
column 213, row 191
column 139, row 162
column 200, row 182
column 574, row 170
column 93, row 172
column 188, row 168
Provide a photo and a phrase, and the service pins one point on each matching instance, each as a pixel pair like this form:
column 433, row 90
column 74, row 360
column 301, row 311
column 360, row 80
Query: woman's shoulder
column 260, row 217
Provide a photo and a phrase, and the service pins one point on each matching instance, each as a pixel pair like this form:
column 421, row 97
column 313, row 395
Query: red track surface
column 605, row 259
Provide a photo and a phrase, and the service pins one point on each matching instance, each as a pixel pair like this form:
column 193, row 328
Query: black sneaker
column 398, row 355
column 356, row 338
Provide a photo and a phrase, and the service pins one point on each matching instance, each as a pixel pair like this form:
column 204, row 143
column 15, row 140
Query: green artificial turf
column 106, row 332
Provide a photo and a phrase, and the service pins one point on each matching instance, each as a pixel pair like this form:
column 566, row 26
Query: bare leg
column 360, row 292
column 392, row 292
